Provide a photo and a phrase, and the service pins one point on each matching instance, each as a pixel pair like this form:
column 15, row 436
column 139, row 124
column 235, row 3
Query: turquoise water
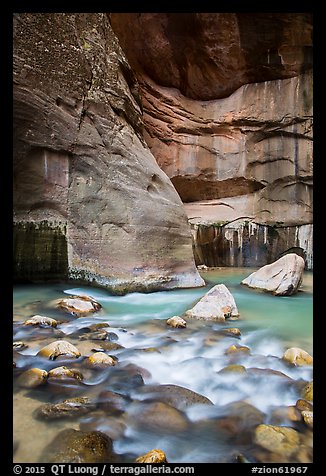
column 268, row 326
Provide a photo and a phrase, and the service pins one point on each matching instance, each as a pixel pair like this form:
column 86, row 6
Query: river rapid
column 152, row 354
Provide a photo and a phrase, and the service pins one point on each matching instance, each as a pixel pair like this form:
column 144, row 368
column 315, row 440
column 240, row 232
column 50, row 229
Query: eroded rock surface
column 90, row 202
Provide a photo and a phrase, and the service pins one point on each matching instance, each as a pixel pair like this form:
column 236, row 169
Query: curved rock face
column 90, row 202
column 227, row 103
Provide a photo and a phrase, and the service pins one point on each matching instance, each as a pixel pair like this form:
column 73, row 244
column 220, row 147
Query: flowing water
column 190, row 358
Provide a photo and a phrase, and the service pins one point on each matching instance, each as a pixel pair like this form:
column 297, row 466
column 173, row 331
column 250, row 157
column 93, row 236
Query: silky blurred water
column 268, row 326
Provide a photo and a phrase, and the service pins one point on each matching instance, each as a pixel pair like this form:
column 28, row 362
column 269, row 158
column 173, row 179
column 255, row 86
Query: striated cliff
column 227, row 101
column 90, row 202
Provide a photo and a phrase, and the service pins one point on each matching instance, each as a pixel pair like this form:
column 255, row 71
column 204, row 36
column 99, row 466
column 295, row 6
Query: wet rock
column 98, row 421
column 113, row 402
column 177, row 322
column 153, row 456
column 277, row 439
column 79, row 305
column 175, row 395
column 110, row 346
column 133, row 369
column 233, row 368
column 19, row 345
column 307, row 392
column 216, row 305
column 213, row 339
column 100, row 360
column 73, row 446
column 303, row 405
column 297, row 356
column 96, row 335
column 41, row 321
column 32, row 378
column 308, row 418
column 69, row 408
column 157, row 416
column 235, row 349
column 238, row 421
column 285, row 414
column 64, row 373
column 124, row 380
column 281, row 278
column 98, row 326
column 231, row 332
column 259, row 372
column 59, row 348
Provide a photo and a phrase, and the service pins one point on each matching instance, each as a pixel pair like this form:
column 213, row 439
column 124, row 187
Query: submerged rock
column 238, row 420
column 277, row 439
column 79, row 305
column 233, row 368
column 158, row 416
column 64, row 373
column 216, row 305
column 231, row 332
column 100, row 360
column 281, row 278
column 41, row 321
column 74, row 446
column 69, row 408
column 285, row 413
column 176, row 321
column 235, row 349
column 297, row 356
column 175, row 395
column 59, row 348
column 153, row 456
column 113, row 402
column 32, row 378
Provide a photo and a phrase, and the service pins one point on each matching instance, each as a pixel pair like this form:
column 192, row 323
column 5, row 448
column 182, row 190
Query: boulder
column 303, row 405
column 231, row 332
column 176, row 321
column 308, row 418
column 59, row 348
column 112, row 402
column 216, row 305
column 175, row 395
column 153, row 456
column 79, row 305
column 41, row 321
column 69, row 408
column 99, row 360
column 307, row 392
column 233, row 368
column 32, row 378
column 277, row 439
column 74, row 446
column 297, row 356
column 65, row 373
column 281, row 278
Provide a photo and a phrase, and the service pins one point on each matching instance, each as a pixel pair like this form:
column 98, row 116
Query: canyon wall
column 227, row 101
column 90, row 202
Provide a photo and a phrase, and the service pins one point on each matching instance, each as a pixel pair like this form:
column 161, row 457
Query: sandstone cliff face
column 90, row 202
column 228, row 116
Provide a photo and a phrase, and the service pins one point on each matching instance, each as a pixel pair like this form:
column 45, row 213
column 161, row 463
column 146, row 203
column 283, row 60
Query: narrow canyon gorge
column 142, row 152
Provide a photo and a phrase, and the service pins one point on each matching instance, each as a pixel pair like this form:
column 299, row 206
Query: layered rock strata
column 227, row 103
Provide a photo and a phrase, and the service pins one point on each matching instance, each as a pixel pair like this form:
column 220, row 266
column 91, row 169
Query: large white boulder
column 216, row 305
column 282, row 278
